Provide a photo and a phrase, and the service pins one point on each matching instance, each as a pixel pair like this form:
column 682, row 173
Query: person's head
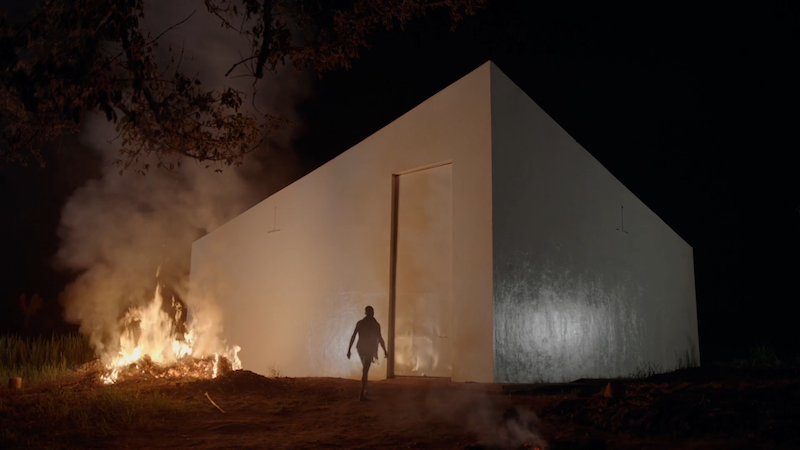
column 369, row 311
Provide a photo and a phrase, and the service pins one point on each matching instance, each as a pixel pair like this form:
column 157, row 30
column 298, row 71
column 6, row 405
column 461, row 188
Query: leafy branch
column 74, row 56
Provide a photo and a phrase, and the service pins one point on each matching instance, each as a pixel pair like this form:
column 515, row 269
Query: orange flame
column 159, row 342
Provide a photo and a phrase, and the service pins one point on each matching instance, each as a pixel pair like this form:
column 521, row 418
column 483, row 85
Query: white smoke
column 117, row 230
column 496, row 421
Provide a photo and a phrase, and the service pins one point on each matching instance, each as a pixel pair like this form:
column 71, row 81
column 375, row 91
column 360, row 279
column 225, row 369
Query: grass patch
column 763, row 356
column 646, row 370
column 41, row 359
column 275, row 372
column 286, row 407
column 282, row 408
column 53, row 417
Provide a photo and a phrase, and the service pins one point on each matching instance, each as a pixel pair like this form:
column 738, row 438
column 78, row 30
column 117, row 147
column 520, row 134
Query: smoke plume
column 495, row 420
column 116, row 231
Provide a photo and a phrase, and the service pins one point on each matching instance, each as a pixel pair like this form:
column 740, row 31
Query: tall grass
column 41, row 359
column 646, row 370
column 56, row 417
column 763, row 356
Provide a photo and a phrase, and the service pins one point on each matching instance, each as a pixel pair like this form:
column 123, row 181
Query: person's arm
column 352, row 338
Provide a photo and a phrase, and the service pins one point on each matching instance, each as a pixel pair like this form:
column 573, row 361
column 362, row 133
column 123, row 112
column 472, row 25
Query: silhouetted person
column 369, row 336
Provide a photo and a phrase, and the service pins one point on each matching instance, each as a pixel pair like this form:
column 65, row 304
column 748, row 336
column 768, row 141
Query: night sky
column 694, row 109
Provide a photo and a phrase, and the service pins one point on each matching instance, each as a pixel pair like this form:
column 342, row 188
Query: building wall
column 291, row 298
column 573, row 296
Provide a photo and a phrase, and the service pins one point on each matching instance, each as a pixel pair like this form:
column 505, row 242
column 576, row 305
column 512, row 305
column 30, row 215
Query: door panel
column 423, row 273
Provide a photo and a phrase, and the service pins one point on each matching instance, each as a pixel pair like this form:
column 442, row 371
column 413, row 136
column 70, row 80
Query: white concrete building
column 493, row 247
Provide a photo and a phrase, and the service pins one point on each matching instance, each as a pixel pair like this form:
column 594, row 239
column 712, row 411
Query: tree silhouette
column 71, row 56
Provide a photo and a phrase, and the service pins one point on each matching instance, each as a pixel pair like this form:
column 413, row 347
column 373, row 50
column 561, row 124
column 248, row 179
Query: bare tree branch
column 238, row 64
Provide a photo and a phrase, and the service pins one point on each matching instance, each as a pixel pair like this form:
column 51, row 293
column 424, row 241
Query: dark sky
column 692, row 108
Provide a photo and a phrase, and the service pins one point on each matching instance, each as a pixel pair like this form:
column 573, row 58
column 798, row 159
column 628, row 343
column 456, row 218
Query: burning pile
column 152, row 343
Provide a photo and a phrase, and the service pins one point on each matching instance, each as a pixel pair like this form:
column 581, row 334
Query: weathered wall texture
column 291, row 297
column 575, row 297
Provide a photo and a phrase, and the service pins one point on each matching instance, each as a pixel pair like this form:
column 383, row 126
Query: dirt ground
column 693, row 409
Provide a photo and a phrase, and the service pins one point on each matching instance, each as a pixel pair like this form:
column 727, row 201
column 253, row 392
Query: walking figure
column 369, row 336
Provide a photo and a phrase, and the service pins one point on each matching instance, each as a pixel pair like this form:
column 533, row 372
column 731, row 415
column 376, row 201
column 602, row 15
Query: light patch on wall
column 334, row 321
column 415, row 351
column 558, row 325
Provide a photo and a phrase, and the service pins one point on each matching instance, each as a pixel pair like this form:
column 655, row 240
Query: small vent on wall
column 622, row 220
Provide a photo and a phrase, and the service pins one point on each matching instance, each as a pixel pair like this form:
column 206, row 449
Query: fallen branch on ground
column 212, row 402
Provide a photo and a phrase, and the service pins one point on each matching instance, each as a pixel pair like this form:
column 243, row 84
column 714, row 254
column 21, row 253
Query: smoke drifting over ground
column 495, row 421
column 116, row 231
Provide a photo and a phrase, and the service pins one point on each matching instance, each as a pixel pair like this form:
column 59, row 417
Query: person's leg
column 366, row 362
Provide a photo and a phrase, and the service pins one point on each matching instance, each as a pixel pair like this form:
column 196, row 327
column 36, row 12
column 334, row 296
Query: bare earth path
column 323, row 413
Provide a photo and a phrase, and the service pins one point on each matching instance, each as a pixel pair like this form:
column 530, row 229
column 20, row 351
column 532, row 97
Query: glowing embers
column 152, row 344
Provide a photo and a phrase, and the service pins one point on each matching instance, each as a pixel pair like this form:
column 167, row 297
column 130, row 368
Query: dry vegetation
column 736, row 406
column 42, row 359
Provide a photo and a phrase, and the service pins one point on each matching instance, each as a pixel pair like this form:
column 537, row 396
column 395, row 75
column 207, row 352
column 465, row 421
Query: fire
column 157, row 342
